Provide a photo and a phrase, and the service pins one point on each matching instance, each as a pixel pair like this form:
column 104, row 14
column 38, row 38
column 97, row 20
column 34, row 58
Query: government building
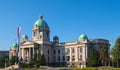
column 71, row 54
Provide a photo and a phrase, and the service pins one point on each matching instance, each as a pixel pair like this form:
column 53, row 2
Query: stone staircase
column 11, row 67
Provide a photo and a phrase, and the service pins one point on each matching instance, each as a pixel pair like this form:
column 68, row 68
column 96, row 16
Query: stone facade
column 71, row 54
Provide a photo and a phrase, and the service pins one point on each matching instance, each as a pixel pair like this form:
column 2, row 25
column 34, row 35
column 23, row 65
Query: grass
column 84, row 68
column 89, row 68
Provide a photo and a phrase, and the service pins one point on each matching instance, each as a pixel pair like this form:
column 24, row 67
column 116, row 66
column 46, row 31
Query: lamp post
column 117, row 60
column 6, row 62
column 78, row 58
column 20, row 61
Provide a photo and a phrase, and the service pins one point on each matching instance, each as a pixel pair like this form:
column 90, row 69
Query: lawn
column 89, row 68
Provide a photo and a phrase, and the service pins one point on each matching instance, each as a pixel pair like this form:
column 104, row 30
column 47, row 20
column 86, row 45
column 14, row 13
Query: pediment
column 27, row 43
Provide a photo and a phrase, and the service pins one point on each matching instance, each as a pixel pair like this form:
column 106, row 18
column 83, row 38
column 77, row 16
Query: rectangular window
column 63, row 58
column 58, row 58
column 73, row 50
column 54, row 59
column 81, row 50
column 48, row 51
column 54, row 52
column 48, row 58
column 67, row 51
column 68, row 58
column 58, row 51
column 34, row 33
column 73, row 58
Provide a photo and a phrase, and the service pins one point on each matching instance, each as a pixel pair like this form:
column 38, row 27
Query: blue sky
column 66, row 18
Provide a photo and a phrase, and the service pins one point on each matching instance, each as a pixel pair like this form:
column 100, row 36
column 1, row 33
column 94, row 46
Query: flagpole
column 19, row 56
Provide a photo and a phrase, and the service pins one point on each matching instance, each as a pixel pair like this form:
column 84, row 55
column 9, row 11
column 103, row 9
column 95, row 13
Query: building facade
column 71, row 54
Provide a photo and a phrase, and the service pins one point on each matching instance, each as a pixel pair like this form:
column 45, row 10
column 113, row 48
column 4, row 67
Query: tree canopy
column 115, row 52
column 94, row 58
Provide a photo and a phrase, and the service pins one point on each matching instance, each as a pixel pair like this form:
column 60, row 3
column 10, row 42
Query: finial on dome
column 41, row 17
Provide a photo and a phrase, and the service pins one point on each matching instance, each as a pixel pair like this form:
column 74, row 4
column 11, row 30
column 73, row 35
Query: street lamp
column 6, row 62
column 19, row 63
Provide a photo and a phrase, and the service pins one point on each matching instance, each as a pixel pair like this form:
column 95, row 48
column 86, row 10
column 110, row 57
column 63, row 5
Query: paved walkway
column 47, row 68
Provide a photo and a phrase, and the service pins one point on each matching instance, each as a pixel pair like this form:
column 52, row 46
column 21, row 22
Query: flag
column 18, row 36
column 18, row 32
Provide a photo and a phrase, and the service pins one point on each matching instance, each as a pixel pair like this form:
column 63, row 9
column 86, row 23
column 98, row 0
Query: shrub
column 84, row 69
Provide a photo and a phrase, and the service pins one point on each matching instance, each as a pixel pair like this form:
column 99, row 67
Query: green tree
column 42, row 60
column 39, row 59
column 2, row 61
column 13, row 60
column 104, row 54
column 115, row 52
column 93, row 58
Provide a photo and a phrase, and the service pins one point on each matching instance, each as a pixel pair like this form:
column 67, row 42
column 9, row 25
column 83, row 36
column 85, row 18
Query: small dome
column 25, row 36
column 83, row 37
column 55, row 37
column 41, row 23
column 15, row 45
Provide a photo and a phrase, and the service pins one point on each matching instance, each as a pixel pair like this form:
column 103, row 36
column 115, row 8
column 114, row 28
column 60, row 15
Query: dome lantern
column 41, row 23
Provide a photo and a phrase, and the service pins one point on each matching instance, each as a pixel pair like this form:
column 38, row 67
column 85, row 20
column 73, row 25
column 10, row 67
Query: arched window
column 81, row 50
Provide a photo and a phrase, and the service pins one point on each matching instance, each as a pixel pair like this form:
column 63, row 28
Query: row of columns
column 27, row 53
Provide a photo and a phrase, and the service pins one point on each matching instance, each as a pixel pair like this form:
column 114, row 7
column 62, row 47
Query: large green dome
column 41, row 23
column 83, row 37
column 15, row 45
